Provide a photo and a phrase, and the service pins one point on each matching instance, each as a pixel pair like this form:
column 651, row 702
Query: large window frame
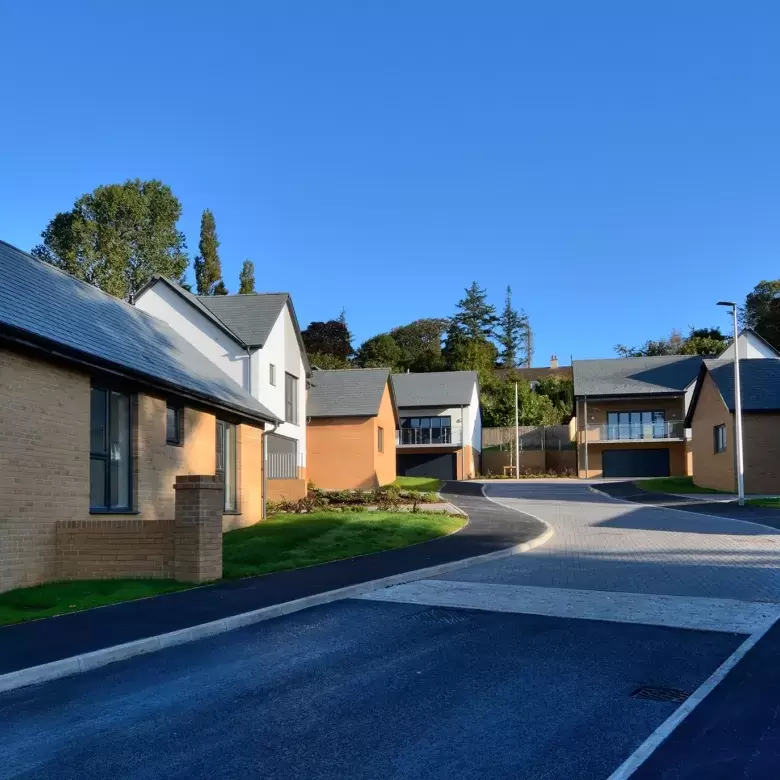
column 227, row 464
column 174, row 425
column 290, row 398
column 635, row 424
column 430, row 429
column 111, row 451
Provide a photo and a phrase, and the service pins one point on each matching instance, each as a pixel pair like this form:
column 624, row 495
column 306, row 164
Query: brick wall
column 286, row 489
column 761, row 438
column 121, row 547
column 250, row 478
column 711, row 469
column 341, row 452
column 385, row 462
column 44, row 463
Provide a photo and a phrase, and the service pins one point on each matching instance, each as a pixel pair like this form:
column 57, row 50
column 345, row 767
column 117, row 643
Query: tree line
column 119, row 236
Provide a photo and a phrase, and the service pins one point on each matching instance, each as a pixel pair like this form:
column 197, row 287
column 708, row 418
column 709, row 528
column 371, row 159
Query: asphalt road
column 361, row 689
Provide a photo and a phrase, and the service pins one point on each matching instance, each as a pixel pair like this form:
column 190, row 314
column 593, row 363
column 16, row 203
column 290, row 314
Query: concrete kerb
column 674, row 509
column 108, row 655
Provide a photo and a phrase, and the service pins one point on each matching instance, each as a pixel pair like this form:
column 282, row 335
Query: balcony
column 428, row 437
column 673, row 430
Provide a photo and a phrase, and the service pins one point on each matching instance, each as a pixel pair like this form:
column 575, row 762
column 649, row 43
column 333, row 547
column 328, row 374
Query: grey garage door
column 437, row 465
column 635, row 463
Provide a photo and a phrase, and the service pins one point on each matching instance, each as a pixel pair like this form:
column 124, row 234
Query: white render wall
column 162, row 302
column 750, row 348
column 470, row 427
column 281, row 349
column 475, row 420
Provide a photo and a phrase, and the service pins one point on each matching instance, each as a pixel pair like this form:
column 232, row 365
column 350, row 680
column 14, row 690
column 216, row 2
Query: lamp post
column 740, row 465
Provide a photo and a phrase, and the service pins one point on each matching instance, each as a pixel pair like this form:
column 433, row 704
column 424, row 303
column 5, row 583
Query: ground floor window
column 226, row 463
column 110, row 451
column 720, row 438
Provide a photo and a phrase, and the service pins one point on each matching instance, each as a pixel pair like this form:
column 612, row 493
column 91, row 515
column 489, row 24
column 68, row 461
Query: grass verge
column 281, row 542
column 772, row 503
column 672, row 485
column 423, row 484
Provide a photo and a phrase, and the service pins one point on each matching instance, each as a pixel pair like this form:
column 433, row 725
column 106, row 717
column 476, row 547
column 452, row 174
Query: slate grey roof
column 635, row 376
column 347, row 392
column 759, row 379
column 250, row 317
column 437, row 388
column 44, row 303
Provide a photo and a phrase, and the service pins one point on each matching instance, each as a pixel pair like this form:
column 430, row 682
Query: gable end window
column 174, row 425
column 290, row 399
column 272, row 374
column 110, row 452
column 226, row 463
column 719, row 432
column 380, row 439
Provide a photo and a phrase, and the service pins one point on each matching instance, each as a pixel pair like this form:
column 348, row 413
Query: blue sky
column 617, row 163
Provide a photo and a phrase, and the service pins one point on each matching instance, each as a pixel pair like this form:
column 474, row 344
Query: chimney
column 554, row 361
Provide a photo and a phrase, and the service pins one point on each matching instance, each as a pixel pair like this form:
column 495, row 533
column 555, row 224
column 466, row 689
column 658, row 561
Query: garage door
column 438, row 465
column 635, row 463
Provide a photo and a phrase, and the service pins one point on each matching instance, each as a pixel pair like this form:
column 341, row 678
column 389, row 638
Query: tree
column 702, row 341
column 247, row 278
column 328, row 338
column 420, row 344
column 512, row 332
column 118, row 236
column 208, row 268
column 498, row 404
column 762, row 311
column 327, row 362
column 379, row 352
column 476, row 318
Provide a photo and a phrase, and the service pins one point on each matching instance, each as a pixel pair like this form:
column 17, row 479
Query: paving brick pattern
column 607, row 545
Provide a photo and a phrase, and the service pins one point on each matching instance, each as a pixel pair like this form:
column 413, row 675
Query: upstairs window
column 272, row 374
column 719, row 432
column 290, row 399
column 174, row 425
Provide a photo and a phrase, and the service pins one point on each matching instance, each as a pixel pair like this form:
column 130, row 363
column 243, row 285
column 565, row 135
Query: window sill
column 175, row 443
column 114, row 512
column 231, row 512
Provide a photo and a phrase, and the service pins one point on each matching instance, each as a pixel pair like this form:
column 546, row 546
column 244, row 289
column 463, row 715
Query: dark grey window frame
column 719, row 443
column 290, row 398
column 105, row 454
column 221, row 449
column 178, row 440
column 380, row 438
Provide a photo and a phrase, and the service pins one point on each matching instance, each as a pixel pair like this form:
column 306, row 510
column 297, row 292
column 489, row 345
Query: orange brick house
column 102, row 408
column 711, row 418
column 351, row 429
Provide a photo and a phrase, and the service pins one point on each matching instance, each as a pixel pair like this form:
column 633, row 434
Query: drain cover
column 671, row 695
column 442, row 616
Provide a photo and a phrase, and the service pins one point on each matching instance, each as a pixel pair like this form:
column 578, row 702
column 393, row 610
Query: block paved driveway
column 607, row 545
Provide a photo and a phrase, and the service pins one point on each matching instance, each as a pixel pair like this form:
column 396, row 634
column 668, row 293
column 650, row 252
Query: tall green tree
column 468, row 344
column 762, row 311
column 208, row 267
column 379, row 352
column 328, row 338
column 118, row 236
column 701, row 341
column 475, row 318
column 511, row 336
column 498, row 404
column 247, row 278
column 420, row 344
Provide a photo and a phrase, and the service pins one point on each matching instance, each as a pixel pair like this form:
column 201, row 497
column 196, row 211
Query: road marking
column 704, row 614
column 654, row 741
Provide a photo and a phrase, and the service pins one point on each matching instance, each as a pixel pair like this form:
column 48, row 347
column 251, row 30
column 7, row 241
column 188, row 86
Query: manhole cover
column 672, row 695
column 441, row 616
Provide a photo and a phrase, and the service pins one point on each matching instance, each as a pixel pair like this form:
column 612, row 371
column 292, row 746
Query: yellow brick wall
column 250, row 479
column 44, row 463
column 711, row 469
column 385, row 462
column 341, row 452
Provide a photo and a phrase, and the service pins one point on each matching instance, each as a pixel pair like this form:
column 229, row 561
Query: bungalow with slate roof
column 711, row 419
column 103, row 408
column 351, row 429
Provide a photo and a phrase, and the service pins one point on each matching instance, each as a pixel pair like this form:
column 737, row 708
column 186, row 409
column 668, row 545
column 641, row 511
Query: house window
column 720, row 438
column 110, row 461
column 426, row 430
column 380, row 439
column 272, row 374
column 174, row 425
column 226, row 463
column 290, row 399
column 636, row 425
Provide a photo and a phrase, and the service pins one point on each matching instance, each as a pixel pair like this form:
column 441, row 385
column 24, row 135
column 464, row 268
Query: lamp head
column 726, row 303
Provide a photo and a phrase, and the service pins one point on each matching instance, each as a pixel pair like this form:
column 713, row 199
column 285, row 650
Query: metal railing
column 532, row 437
column 282, row 465
column 427, row 437
column 673, row 429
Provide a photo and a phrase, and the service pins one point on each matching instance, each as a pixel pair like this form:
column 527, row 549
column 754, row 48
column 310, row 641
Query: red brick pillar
column 197, row 533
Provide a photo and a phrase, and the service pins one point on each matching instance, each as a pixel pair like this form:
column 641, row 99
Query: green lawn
column 672, row 485
column 774, row 503
column 281, row 542
column 292, row 541
column 423, row 484
column 57, row 598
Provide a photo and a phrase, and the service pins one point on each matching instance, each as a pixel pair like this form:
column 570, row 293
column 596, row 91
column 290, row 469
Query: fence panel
column 281, row 465
column 532, row 437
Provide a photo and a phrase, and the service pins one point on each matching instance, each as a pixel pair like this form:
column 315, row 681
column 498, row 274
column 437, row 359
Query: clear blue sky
column 617, row 163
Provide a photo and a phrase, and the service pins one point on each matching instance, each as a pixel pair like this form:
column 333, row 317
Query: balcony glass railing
column 658, row 429
column 427, row 437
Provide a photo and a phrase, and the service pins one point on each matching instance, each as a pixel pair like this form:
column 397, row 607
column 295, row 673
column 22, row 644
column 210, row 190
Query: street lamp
column 737, row 409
